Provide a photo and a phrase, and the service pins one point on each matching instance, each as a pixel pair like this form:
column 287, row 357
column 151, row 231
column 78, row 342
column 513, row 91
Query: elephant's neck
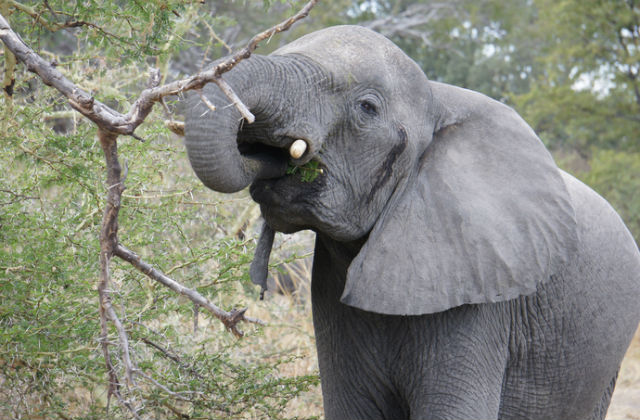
column 330, row 264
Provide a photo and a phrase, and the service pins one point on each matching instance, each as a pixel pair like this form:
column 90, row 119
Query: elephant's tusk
column 297, row 148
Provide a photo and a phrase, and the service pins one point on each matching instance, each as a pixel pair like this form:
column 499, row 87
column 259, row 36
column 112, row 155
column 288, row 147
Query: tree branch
column 413, row 22
column 229, row 319
column 108, row 240
column 115, row 122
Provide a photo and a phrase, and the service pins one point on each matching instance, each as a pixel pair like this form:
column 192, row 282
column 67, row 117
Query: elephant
column 458, row 273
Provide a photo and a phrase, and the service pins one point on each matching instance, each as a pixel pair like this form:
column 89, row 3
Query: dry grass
column 288, row 313
column 625, row 403
column 290, row 334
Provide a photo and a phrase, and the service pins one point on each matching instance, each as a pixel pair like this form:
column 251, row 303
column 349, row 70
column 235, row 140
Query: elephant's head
column 452, row 188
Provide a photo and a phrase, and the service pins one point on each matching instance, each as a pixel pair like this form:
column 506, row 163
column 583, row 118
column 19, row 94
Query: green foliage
column 485, row 46
column 307, row 172
column 50, row 209
column 123, row 31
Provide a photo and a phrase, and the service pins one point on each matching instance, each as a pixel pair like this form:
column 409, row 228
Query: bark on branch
column 110, row 120
column 108, row 241
column 229, row 319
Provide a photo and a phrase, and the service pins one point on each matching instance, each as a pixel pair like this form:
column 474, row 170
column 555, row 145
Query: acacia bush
column 52, row 192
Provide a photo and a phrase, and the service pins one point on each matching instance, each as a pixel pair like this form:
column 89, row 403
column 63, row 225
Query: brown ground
column 625, row 403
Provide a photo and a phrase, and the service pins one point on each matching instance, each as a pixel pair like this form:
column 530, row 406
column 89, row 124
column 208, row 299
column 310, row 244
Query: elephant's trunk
column 221, row 160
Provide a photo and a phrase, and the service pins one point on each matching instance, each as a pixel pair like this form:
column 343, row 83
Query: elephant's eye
column 368, row 107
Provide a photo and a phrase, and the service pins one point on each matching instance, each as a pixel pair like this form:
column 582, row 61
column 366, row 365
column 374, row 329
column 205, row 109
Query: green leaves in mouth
column 308, row 172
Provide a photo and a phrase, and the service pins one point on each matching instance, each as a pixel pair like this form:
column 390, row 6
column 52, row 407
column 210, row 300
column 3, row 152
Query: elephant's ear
column 486, row 217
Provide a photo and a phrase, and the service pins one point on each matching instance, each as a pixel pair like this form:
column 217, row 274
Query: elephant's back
column 569, row 338
column 605, row 275
column 607, row 251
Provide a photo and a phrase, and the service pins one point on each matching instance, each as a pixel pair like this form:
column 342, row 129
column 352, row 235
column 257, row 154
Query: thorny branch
column 229, row 319
column 54, row 26
column 112, row 121
column 171, row 356
column 110, row 125
column 108, row 241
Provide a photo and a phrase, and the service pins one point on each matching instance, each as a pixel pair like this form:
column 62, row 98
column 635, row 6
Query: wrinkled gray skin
column 458, row 272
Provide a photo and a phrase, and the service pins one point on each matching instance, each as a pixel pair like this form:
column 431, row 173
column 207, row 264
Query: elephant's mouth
column 284, row 185
column 263, row 152
column 293, row 187
column 271, row 149
column 278, row 151
column 281, row 200
column 287, row 201
column 271, row 161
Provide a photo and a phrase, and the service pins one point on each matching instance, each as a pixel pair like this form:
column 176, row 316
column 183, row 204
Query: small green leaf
column 308, row 172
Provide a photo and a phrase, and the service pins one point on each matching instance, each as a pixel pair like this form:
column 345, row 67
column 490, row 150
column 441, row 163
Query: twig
column 108, row 240
column 169, row 355
column 226, row 89
column 177, row 395
column 206, row 101
column 176, row 127
column 229, row 63
column 175, row 411
column 56, row 26
column 16, row 197
column 196, row 315
column 217, row 38
column 229, row 319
